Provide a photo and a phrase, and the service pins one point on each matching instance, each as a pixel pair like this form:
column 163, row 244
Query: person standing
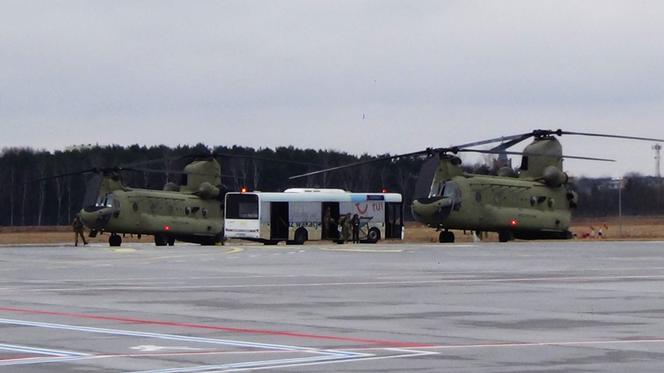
column 79, row 229
column 344, row 226
column 355, row 222
column 329, row 225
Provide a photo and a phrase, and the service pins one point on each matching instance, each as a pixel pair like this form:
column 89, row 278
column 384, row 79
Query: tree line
column 31, row 193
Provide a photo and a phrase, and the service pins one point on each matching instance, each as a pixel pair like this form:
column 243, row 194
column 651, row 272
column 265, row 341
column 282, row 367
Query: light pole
column 619, row 182
column 620, row 185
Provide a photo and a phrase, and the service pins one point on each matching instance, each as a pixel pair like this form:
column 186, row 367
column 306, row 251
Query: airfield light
column 384, row 190
column 243, row 190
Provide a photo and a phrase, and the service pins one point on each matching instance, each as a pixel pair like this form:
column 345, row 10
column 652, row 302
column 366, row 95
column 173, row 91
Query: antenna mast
column 658, row 156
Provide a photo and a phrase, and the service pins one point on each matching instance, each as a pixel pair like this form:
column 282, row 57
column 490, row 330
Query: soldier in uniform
column 355, row 222
column 345, row 224
column 329, row 225
column 79, row 229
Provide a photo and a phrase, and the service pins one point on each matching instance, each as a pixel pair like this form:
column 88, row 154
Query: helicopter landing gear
column 160, row 240
column 504, row 236
column 171, row 241
column 114, row 240
column 446, row 237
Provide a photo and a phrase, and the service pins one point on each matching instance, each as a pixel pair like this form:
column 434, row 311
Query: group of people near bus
column 347, row 228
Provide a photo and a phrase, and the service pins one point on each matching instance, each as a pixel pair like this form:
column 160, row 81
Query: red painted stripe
column 4, row 357
column 379, row 342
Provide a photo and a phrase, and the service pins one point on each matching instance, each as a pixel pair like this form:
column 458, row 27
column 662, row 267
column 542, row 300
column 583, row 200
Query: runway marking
column 384, row 343
column 321, row 355
column 38, row 350
column 472, row 280
column 52, row 355
column 290, row 363
column 234, row 250
column 364, row 250
column 174, row 337
column 539, row 344
column 124, row 250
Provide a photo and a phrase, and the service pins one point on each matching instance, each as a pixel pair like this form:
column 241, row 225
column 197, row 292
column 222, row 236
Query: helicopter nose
column 431, row 210
column 95, row 218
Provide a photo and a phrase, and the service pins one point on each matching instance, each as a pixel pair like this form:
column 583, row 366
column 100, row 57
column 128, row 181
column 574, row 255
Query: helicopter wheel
column 504, row 236
column 171, row 241
column 446, row 237
column 160, row 240
column 114, row 240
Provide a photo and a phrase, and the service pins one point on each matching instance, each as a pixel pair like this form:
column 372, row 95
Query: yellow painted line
column 124, row 250
column 364, row 250
column 234, row 250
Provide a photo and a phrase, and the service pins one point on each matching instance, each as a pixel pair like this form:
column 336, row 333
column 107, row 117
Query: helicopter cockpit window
column 524, row 163
column 437, row 189
column 105, row 201
column 445, row 189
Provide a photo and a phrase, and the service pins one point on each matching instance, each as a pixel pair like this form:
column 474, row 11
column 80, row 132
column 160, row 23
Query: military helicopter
column 190, row 211
column 535, row 203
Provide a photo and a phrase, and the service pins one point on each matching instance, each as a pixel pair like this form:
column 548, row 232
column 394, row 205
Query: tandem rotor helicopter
column 190, row 211
column 535, row 203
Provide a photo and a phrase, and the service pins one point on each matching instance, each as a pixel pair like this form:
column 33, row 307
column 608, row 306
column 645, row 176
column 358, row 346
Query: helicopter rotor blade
column 491, row 151
column 610, row 136
column 521, row 137
column 361, row 163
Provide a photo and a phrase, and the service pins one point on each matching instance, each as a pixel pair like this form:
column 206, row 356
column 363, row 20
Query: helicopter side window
column 451, row 190
column 524, row 163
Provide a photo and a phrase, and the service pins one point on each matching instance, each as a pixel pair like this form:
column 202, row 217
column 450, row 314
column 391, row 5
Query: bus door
column 393, row 219
column 279, row 220
column 330, row 212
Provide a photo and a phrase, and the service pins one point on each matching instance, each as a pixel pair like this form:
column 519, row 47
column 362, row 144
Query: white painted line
column 39, row 350
column 542, row 344
column 351, row 283
column 174, row 337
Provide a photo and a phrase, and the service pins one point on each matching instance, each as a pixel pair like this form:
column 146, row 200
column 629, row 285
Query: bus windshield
column 242, row 206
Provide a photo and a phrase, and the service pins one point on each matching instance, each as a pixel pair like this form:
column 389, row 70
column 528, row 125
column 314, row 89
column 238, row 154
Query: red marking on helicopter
column 514, row 222
column 167, row 228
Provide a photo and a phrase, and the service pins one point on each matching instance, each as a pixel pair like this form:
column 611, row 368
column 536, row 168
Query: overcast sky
column 358, row 76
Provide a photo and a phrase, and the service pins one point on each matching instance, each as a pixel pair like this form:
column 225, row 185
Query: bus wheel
column 373, row 236
column 300, row 236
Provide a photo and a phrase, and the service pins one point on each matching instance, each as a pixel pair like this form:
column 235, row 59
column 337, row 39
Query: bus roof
column 323, row 196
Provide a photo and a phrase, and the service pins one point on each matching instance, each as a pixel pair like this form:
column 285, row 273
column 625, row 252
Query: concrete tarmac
column 565, row 306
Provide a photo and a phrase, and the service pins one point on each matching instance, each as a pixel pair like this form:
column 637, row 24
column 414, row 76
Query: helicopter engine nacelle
column 207, row 190
column 553, row 176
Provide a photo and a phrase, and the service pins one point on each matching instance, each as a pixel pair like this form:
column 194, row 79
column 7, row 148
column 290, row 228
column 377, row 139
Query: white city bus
column 299, row 215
